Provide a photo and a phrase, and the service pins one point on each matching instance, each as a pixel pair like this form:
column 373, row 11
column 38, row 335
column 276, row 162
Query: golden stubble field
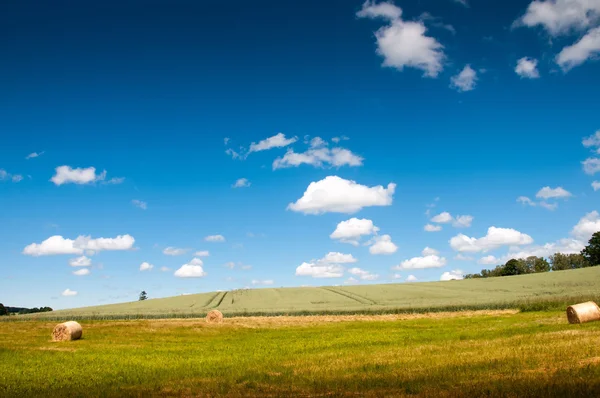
column 456, row 354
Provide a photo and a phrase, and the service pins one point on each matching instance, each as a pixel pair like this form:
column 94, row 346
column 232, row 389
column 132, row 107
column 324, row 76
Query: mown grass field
column 525, row 291
column 493, row 353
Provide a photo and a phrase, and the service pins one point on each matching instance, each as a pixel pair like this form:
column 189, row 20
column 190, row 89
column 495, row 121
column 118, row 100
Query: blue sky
column 401, row 115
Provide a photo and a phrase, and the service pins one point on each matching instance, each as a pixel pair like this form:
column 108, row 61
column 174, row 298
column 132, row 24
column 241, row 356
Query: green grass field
column 501, row 353
column 535, row 291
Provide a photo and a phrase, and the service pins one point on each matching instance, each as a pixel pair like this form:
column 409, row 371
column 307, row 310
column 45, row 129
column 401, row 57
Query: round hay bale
column 214, row 316
column 584, row 312
column 67, row 331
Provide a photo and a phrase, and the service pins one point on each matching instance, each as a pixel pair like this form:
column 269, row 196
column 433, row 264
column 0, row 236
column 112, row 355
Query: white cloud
column 193, row 269
column 588, row 47
column 338, row 139
column 58, row 245
column 565, row 246
column 561, row 16
column 454, row 275
column 431, row 261
column 138, row 203
column 82, row 261
column 69, row 292
column 383, row 245
column 66, row 175
column 114, row 180
column 527, row 68
column 362, row 274
column 596, row 185
column 397, row 276
column 587, row 226
column 549, row 206
column 265, row 282
column 495, row 238
column 81, row 272
column 318, row 157
column 233, row 154
column 591, row 166
column 276, row 141
column 526, row 201
column 442, row 218
column 337, row 195
column 592, row 141
column 165, row 269
column 215, row 238
column 428, row 251
column 317, row 142
column 146, row 266
column 327, row 267
column 488, row 260
column 350, row 231
column 404, row 43
column 462, row 221
column 411, row 278
column 553, row 193
column 432, row 228
column 6, row 176
column 466, row 80
column 174, row 251
column 202, row 253
column 241, row 183
column 33, row 155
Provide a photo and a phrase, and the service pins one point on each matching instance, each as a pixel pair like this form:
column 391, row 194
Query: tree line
column 22, row 311
column 589, row 257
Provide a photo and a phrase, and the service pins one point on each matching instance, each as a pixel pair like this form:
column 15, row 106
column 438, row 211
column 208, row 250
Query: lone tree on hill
column 3, row 310
column 143, row 295
column 592, row 250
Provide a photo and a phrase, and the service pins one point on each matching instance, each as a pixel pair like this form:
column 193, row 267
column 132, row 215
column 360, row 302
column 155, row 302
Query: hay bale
column 67, row 331
column 214, row 316
column 584, row 312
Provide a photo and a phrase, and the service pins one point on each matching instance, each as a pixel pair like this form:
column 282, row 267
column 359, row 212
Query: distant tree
column 591, row 253
column 143, row 296
column 562, row 262
column 533, row 264
column 514, row 267
column 3, row 310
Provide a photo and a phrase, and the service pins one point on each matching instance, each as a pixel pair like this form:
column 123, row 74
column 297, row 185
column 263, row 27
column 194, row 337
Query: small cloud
column 226, row 140
column 488, row 260
column 276, row 141
column 553, row 193
column 82, row 261
column 193, row 269
column 146, row 266
column 442, row 218
column 363, row 275
column 432, row 228
column 241, row 183
column 174, row 251
column 411, row 278
column 165, row 269
column 68, row 293
column 33, row 155
column 596, row 185
column 455, row 275
column 466, row 80
column 80, row 176
column 202, row 253
column 383, row 245
column 140, row 204
column 81, row 272
column 215, row 238
column 527, row 68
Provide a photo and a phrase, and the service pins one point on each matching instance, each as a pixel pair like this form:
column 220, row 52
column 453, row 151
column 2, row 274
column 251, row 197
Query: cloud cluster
column 6, row 176
column 56, row 244
column 329, row 266
column 495, row 238
column 545, row 194
column 337, row 195
column 363, row 274
column 404, row 43
column 318, row 157
column 459, row 221
column 430, row 259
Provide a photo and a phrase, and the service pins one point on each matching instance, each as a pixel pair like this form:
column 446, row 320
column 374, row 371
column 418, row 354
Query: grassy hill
column 524, row 291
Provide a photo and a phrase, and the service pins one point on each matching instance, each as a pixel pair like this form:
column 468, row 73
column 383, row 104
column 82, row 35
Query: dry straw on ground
column 67, row 331
column 584, row 312
column 214, row 316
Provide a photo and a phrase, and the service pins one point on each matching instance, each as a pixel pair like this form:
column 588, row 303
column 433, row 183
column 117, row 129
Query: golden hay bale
column 214, row 316
column 67, row 331
column 584, row 312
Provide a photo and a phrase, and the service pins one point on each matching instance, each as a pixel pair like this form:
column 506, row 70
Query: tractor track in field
column 221, row 300
column 218, row 297
column 352, row 296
